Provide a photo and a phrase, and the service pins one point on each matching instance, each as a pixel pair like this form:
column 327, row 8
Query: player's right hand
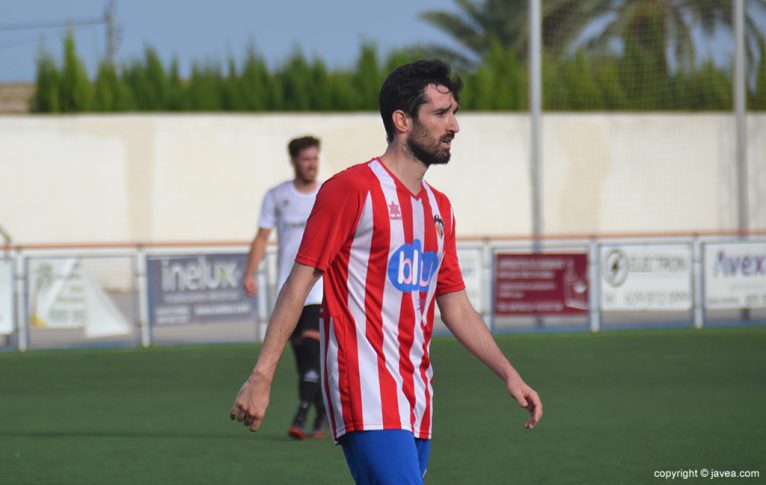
column 250, row 404
column 250, row 285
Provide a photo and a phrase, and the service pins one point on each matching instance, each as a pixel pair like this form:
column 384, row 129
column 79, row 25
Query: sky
column 203, row 30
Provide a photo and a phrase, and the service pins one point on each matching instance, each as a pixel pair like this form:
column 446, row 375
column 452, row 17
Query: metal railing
column 63, row 296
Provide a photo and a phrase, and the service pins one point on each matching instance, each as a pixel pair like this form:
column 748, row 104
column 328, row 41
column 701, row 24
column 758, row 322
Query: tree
column 295, row 77
column 368, row 78
column 476, row 27
column 148, row 81
column 644, row 71
column 255, row 81
column 46, row 97
column 74, row 87
column 498, row 84
column 680, row 20
column 110, row 93
column 175, row 95
column 758, row 96
column 566, row 24
column 205, row 93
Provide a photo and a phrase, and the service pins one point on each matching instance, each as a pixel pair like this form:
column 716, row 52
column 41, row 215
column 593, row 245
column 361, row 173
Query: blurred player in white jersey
column 286, row 207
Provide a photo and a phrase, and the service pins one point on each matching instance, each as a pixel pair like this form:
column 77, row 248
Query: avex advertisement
column 735, row 275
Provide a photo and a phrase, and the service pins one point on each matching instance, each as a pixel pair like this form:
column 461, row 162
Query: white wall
column 201, row 177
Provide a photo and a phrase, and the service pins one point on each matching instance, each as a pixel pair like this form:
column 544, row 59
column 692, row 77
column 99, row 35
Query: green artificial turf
column 618, row 406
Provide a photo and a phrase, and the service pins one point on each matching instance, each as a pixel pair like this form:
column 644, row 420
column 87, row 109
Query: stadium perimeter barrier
column 79, row 295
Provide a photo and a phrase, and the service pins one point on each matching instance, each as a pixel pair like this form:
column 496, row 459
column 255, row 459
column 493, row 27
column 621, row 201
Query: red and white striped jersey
column 385, row 255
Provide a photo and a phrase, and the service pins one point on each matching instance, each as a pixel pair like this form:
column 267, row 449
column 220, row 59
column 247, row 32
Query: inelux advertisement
column 197, row 288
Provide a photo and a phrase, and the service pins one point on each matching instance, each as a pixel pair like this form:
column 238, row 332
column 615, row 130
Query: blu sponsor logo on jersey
column 412, row 269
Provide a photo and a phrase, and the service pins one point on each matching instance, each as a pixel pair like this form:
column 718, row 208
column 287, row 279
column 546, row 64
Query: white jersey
column 287, row 210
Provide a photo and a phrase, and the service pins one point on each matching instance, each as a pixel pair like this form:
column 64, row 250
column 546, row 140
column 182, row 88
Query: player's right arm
column 266, row 223
column 257, row 252
column 253, row 397
column 335, row 214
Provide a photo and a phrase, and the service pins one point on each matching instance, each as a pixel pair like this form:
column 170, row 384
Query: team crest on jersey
column 439, row 223
column 394, row 212
column 412, row 269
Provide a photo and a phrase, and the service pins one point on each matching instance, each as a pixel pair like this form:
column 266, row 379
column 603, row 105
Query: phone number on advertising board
column 755, row 300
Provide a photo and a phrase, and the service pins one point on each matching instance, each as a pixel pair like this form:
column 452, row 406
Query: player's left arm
column 469, row 328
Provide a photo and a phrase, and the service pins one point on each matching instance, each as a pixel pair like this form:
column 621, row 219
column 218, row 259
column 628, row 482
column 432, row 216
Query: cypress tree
column 110, row 94
column 75, row 92
column 46, row 97
column 758, row 96
column 155, row 81
column 640, row 79
column 320, row 92
column 554, row 90
column 294, row 78
column 175, row 95
column 255, row 82
column 367, row 78
column 707, row 88
column 612, row 94
column 585, row 91
column 205, row 88
column 231, row 89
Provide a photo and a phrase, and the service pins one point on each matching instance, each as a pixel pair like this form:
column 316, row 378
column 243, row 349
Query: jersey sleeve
column 268, row 218
column 332, row 221
column 450, row 278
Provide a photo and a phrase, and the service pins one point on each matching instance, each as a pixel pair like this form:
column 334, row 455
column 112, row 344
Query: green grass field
column 618, row 406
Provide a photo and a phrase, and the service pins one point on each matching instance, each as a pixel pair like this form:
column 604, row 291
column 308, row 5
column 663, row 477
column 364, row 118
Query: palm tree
column 598, row 26
column 477, row 27
column 680, row 20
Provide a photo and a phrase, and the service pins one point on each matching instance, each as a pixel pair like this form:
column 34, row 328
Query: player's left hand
column 527, row 399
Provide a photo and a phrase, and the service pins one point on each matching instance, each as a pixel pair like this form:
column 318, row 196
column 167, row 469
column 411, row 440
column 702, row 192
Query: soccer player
column 383, row 240
column 286, row 207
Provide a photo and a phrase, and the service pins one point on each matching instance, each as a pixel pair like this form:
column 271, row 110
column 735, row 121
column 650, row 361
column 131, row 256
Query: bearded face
column 429, row 149
column 306, row 165
column 434, row 127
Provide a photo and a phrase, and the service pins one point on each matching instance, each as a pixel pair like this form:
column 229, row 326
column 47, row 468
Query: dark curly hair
column 405, row 88
column 297, row 145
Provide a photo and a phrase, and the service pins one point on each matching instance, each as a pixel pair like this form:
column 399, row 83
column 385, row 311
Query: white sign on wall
column 735, row 275
column 6, row 297
column 646, row 277
column 56, row 293
column 64, row 295
column 470, row 266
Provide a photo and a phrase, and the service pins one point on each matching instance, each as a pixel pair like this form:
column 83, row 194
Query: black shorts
column 309, row 320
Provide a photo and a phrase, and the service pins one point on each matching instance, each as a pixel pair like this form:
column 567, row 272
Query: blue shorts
column 391, row 456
